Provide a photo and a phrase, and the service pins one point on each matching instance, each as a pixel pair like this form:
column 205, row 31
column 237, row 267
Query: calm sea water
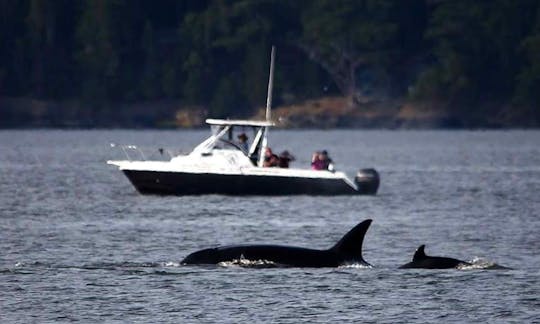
column 78, row 243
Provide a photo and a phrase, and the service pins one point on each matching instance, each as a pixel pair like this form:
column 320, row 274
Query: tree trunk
column 342, row 66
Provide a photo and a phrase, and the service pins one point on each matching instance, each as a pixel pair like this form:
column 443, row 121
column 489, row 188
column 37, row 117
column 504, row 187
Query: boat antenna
column 270, row 84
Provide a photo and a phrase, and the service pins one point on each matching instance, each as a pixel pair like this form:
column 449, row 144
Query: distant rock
column 336, row 112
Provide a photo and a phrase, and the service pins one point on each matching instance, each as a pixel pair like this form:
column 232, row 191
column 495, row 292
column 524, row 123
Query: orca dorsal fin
column 419, row 254
column 350, row 245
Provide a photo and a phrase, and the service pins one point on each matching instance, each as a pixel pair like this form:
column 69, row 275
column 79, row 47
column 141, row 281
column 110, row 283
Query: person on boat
column 317, row 162
column 321, row 161
column 285, row 158
column 328, row 164
column 242, row 141
column 270, row 159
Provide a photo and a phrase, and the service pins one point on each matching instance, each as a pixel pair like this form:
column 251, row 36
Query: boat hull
column 185, row 183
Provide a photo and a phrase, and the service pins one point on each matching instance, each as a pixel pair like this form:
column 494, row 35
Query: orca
column 421, row 260
column 348, row 250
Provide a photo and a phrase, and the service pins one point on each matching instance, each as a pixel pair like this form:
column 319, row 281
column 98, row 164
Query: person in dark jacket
column 285, row 158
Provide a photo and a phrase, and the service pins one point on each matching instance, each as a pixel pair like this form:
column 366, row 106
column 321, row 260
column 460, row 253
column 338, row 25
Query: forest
column 142, row 63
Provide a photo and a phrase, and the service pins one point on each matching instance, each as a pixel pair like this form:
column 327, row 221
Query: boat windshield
column 248, row 137
column 230, row 137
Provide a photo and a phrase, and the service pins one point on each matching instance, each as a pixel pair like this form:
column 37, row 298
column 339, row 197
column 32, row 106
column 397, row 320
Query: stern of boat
column 367, row 181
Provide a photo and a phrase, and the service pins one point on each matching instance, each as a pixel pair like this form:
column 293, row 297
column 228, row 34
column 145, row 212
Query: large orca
column 421, row 260
column 347, row 251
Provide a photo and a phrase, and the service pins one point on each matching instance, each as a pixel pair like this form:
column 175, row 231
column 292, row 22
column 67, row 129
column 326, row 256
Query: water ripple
column 80, row 244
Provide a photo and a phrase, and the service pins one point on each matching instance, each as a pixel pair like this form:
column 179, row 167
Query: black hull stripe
column 178, row 183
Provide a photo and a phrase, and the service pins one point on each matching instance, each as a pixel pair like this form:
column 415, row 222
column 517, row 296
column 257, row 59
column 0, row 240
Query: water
column 79, row 244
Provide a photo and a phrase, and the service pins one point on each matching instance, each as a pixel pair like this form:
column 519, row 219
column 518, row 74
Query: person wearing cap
column 242, row 141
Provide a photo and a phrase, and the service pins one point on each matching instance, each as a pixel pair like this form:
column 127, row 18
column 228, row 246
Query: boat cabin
column 225, row 134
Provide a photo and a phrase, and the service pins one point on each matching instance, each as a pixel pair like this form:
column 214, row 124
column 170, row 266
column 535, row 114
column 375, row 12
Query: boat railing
column 135, row 153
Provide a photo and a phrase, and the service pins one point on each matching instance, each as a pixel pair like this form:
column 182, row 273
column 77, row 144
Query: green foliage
column 475, row 50
column 349, row 35
column 528, row 89
column 528, row 85
column 150, row 85
column 216, row 53
column 359, row 42
column 226, row 96
column 97, row 56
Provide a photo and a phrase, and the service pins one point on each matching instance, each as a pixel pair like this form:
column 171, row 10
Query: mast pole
column 270, row 84
column 264, row 143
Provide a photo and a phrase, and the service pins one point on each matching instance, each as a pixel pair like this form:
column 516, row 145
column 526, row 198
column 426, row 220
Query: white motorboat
column 221, row 165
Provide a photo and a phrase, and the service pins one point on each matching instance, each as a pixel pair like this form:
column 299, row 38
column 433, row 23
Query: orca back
column 422, row 261
column 347, row 250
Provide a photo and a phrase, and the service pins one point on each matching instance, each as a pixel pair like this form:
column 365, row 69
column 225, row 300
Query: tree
column 230, row 42
column 346, row 37
column 150, row 85
column 49, row 40
column 97, row 54
column 474, row 50
column 14, row 51
column 527, row 91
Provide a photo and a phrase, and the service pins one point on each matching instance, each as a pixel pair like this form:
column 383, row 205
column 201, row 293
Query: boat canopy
column 238, row 122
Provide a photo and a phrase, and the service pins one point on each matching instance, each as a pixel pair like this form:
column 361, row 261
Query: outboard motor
column 367, row 181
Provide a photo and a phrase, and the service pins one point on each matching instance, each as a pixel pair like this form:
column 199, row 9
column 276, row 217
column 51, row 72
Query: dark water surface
column 78, row 243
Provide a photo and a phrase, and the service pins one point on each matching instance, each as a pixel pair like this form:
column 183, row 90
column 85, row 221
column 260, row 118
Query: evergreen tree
column 473, row 57
column 528, row 86
column 347, row 37
column 97, row 54
column 150, row 85
column 13, row 53
column 475, row 50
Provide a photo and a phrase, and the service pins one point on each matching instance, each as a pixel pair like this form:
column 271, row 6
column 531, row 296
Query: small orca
column 421, row 260
column 347, row 251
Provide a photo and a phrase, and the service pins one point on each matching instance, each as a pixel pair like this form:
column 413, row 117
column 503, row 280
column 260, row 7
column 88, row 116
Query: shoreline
column 321, row 113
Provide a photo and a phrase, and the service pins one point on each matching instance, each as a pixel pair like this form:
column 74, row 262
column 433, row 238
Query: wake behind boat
column 221, row 165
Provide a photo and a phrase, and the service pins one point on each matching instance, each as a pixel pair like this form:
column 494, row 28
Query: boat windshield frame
column 238, row 122
column 223, row 131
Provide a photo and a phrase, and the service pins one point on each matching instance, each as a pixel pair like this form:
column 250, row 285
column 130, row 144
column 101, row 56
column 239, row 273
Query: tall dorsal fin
column 419, row 254
column 351, row 243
